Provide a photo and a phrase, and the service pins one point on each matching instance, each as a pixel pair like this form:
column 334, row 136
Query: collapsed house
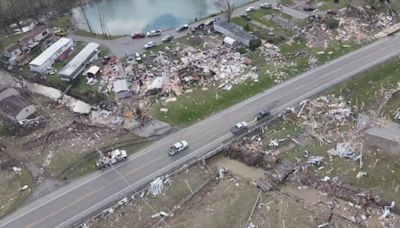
column 13, row 106
column 18, row 53
column 237, row 33
column 121, row 89
column 43, row 63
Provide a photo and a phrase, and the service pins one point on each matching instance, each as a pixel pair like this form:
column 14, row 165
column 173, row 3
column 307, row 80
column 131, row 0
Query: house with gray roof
column 237, row 33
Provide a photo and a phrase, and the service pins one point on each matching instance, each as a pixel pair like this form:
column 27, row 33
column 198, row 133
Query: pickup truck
column 154, row 33
column 262, row 114
column 111, row 158
column 178, row 147
column 239, row 128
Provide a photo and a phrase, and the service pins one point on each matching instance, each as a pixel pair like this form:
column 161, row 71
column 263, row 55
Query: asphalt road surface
column 84, row 196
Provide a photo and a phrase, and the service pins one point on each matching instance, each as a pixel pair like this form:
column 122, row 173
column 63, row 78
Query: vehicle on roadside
column 130, row 56
column 332, row 12
column 150, row 44
column 198, row 27
column 138, row 57
column 138, row 35
column 239, row 128
column 106, row 59
column 60, row 32
column 309, row 8
column 209, row 23
column 154, row 33
column 265, row 6
column 167, row 38
column 245, row 16
column 111, row 158
column 262, row 114
column 182, row 28
column 178, row 147
column 250, row 9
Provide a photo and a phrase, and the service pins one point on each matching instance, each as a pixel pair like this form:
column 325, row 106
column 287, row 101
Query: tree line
column 17, row 11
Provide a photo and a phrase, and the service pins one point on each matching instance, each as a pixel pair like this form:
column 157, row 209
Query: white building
column 45, row 60
column 78, row 64
column 121, row 89
column 230, row 42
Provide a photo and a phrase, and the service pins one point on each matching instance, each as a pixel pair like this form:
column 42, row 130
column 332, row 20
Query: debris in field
column 386, row 210
column 161, row 214
column 315, row 160
column 156, row 186
column 23, row 188
column 345, row 151
column 16, row 169
column 361, row 174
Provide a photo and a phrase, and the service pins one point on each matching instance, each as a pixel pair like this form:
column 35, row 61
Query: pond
column 123, row 17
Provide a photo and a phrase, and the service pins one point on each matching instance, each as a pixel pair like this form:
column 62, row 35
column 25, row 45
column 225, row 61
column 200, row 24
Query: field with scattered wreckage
column 204, row 77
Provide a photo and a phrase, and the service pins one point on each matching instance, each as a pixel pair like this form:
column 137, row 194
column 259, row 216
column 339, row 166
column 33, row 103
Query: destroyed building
column 121, row 89
column 237, row 33
column 14, row 106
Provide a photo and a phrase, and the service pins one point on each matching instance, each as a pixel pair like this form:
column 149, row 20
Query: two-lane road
column 79, row 199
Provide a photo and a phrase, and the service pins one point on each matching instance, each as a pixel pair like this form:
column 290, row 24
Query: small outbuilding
column 120, row 88
column 230, row 42
column 92, row 72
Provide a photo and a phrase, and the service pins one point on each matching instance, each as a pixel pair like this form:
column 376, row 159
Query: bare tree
column 226, row 6
column 81, row 4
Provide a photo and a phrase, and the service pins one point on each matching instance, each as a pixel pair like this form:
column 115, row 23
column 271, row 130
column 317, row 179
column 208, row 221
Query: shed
column 230, row 42
column 92, row 71
column 121, row 89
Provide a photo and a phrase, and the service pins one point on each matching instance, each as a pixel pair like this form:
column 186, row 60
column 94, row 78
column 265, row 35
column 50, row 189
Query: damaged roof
column 11, row 102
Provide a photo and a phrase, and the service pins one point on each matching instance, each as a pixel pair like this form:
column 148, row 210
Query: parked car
column 130, row 56
column 309, row 8
column 138, row 57
column 138, row 35
column 178, row 147
column 262, row 114
column 239, row 128
column 265, row 6
column 150, row 44
column 60, row 32
column 331, row 12
column 154, row 33
column 245, row 16
column 198, row 27
column 106, row 59
column 167, row 38
column 182, row 28
column 209, row 23
column 250, row 9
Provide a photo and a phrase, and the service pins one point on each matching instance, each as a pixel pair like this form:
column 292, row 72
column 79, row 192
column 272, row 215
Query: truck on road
column 111, row 158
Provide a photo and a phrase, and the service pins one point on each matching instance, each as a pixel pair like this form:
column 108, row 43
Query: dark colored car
column 245, row 16
column 331, row 12
column 138, row 35
column 106, row 59
column 130, row 56
column 182, row 28
column 262, row 114
column 308, row 8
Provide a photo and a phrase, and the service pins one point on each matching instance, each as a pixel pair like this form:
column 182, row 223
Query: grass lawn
column 5, row 41
column 67, row 165
column 61, row 22
column 81, row 32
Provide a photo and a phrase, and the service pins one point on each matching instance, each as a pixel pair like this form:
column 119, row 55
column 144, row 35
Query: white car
column 250, row 9
column 138, row 57
column 265, row 6
column 150, row 45
column 154, row 33
column 239, row 127
column 178, row 147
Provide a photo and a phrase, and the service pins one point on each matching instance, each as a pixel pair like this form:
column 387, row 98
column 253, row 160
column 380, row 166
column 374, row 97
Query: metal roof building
column 79, row 62
column 41, row 63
